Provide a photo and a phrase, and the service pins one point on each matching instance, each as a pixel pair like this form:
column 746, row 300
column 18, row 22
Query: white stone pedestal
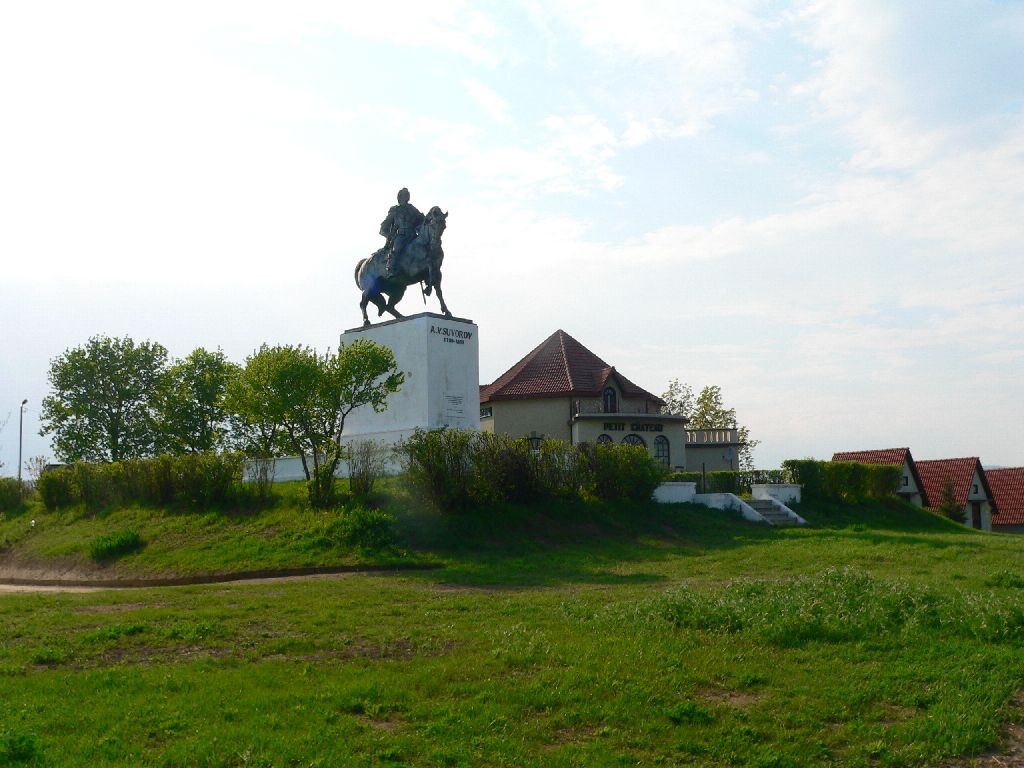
column 441, row 361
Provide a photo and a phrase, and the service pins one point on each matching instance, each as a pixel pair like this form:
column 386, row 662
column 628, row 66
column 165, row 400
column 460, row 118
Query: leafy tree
column 708, row 411
column 34, row 468
column 678, row 399
column 948, row 505
column 190, row 403
column 100, row 408
column 3, row 423
column 295, row 398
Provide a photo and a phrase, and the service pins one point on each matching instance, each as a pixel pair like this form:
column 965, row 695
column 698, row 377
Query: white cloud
column 680, row 64
column 857, row 86
column 487, row 99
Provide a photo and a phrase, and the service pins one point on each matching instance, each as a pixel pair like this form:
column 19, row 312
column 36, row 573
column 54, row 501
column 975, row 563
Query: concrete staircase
column 774, row 513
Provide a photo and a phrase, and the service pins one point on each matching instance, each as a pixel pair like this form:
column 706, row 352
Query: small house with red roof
column 969, row 484
column 1007, row 486
column 562, row 390
column 910, row 487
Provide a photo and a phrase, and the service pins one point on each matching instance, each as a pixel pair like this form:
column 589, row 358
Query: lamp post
column 21, row 422
column 535, row 440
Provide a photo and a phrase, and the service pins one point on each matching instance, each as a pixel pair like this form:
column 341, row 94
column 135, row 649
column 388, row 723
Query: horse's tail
column 358, row 267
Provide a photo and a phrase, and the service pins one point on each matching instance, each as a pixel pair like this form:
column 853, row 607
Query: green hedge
column 843, row 480
column 198, row 480
column 461, row 470
column 10, row 494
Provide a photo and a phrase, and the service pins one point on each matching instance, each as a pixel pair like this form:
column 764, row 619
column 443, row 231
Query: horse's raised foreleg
column 393, row 299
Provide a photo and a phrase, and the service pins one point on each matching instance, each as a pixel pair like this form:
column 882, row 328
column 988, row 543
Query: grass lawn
column 558, row 636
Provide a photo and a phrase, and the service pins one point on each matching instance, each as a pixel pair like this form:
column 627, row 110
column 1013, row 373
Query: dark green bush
column 115, row 545
column 10, row 494
column 849, row 481
column 367, row 460
column 366, row 529
column 563, row 472
column 622, row 472
column 98, row 485
column 504, row 469
column 463, row 469
column 440, row 463
column 194, row 480
column 207, row 479
column 56, row 487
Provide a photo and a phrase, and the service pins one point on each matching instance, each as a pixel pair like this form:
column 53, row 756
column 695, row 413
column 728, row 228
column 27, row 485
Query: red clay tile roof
column 1008, row 490
column 894, row 456
column 560, row 366
column 960, row 471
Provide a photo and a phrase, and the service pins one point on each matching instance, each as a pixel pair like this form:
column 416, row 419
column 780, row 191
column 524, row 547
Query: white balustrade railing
column 711, row 436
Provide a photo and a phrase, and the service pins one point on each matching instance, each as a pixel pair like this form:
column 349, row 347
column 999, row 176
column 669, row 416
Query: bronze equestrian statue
column 412, row 254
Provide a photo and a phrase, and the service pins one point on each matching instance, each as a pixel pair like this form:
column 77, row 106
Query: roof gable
column 1008, row 491
column 560, row 366
column 960, row 471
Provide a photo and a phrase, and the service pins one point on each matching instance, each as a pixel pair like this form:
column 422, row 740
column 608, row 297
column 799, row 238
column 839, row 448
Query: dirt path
column 34, row 579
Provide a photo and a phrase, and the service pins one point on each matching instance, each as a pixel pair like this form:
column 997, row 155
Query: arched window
column 661, row 451
column 634, row 440
column 609, row 400
column 604, row 439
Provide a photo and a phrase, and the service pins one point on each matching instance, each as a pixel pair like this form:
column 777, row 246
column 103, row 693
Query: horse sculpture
column 420, row 262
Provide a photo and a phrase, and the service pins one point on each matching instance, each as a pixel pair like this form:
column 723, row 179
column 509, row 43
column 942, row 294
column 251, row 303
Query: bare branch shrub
column 367, row 460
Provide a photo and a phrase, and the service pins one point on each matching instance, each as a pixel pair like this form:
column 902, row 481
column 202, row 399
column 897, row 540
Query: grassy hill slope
column 558, row 636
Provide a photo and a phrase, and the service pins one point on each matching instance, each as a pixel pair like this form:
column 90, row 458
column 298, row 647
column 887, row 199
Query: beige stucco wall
column 986, row 516
column 907, row 485
column 545, row 416
column 908, row 488
column 712, row 456
column 486, row 422
column 588, row 430
column 978, row 496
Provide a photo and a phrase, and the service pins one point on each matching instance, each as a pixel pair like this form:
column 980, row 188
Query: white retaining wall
column 675, row 493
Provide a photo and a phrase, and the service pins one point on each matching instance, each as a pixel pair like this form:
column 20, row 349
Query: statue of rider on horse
column 411, row 254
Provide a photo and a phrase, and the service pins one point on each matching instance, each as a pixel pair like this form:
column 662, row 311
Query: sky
column 818, row 207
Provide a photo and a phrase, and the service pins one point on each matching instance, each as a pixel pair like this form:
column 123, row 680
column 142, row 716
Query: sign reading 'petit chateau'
column 610, row 426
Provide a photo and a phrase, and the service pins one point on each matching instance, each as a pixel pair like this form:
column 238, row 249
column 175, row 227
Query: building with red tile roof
column 1007, row 487
column 910, row 487
column 562, row 390
column 561, row 366
column 969, row 484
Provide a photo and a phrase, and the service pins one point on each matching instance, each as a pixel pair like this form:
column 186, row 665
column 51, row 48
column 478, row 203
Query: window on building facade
column 906, row 480
column 661, row 451
column 609, row 401
column 634, row 440
column 486, row 412
column 604, row 439
column 975, row 488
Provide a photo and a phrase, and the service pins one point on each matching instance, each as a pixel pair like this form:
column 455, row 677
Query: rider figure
column 399, row 227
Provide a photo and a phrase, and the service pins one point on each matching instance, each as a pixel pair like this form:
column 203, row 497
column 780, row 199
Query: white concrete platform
column 440, row 357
